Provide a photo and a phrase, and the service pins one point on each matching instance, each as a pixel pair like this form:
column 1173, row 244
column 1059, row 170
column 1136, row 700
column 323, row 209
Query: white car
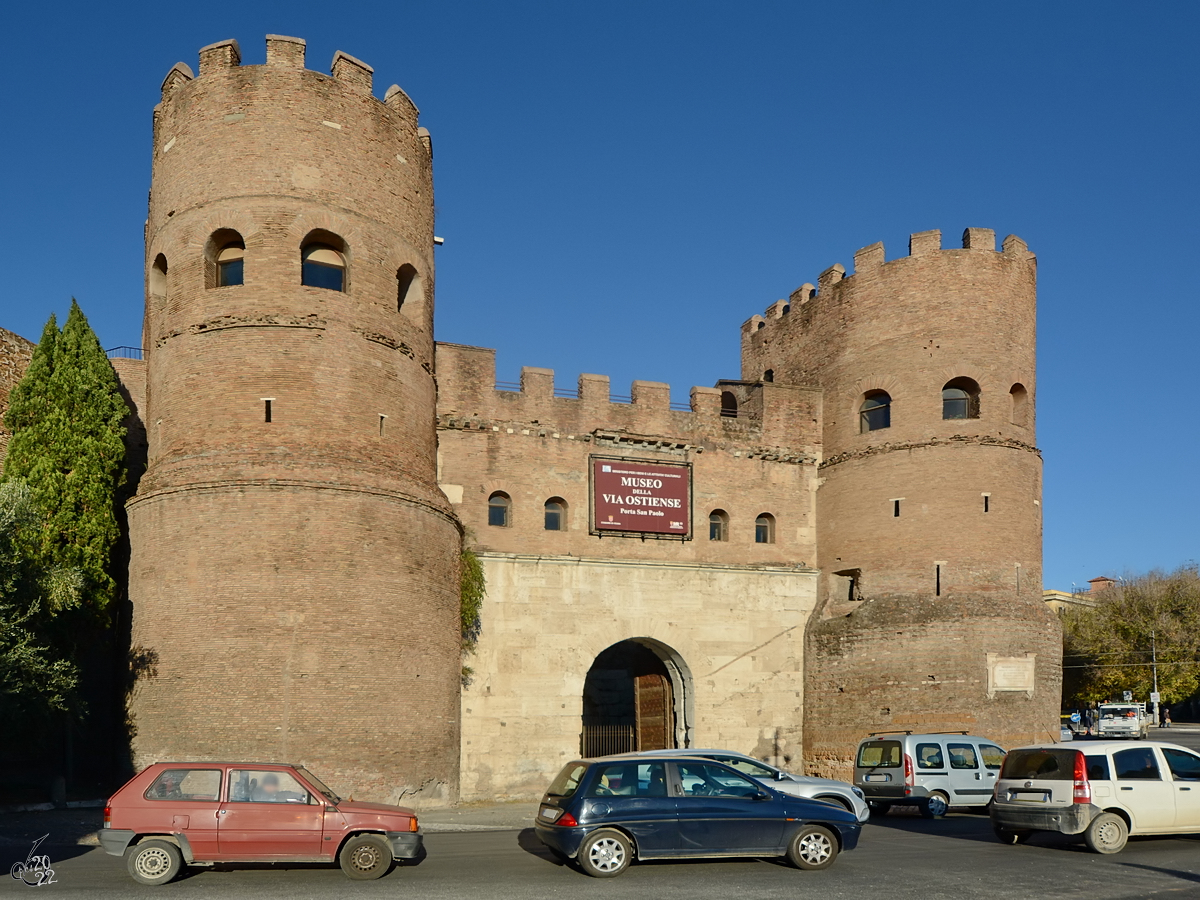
column 1101, row 790
column 829, row 790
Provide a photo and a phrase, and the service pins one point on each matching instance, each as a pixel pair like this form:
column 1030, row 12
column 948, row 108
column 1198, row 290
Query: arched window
column 769, row 376
column 224, row 258
column 729, row 404
column 960, row 399
column 409, row 290
column 499, row 509
column 718, row 525
column 1020, row 405
column 323, row 261
column 230, row 262
column 556, row 514
column 764, row 529
column 875, row 412
column 157, row 279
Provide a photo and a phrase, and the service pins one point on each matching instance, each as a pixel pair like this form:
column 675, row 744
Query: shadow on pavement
column 1174, row 873
column 63, row 830
column 528, row 841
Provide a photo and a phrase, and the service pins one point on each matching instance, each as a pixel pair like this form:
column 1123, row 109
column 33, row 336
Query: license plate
column 879, row 778
column 1033, row 797
column 549, row 813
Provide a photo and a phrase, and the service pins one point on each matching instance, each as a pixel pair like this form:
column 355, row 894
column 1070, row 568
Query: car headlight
column 858, row 793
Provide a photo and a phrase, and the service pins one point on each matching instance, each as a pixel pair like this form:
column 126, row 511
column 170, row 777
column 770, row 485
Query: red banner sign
column 641, row 497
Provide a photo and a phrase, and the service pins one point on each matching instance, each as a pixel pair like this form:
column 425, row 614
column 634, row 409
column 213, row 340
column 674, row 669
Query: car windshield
column 319, row 785
column 1118, row 712
column 746, row 766
column 1042, row 765
column 879, row 754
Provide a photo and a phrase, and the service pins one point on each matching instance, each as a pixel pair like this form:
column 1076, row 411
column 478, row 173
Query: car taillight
column 566, row 820
column 108, row 817
column 909, row 777
column 412, row 824
column 1082, row 792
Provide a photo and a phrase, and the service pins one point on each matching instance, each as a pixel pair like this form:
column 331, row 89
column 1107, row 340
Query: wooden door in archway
column 655, row 708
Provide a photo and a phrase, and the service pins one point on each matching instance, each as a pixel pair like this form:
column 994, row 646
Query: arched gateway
column 636, row 697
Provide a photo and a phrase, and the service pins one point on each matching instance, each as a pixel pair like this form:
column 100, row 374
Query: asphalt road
column 900, row 856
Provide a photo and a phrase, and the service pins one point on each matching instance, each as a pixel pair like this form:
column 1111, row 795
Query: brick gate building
column 860, row 547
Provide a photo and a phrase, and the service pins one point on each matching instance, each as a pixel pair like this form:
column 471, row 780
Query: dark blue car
column 606, row 812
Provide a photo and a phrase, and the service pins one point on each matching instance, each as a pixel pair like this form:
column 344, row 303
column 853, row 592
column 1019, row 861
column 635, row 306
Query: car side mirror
column 760, row 796
column 780, row 776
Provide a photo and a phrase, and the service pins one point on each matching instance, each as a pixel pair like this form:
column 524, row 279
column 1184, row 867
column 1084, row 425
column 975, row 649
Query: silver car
column 844, row 795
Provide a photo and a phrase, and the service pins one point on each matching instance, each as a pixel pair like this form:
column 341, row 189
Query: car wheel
column 154, row 862
column 935, row 805
column 813, row 847
column 1107, row 834
column 365, row 857
column 605, row 853
column 879, row 809
column 1004, row 836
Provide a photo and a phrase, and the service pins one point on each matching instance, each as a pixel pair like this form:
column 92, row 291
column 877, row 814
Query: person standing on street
column 1164, row 715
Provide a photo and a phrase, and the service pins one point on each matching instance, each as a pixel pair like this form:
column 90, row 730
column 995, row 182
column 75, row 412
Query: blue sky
column 676, row 167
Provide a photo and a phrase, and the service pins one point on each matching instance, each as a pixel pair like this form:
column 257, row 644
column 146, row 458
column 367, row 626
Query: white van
column 930, row 771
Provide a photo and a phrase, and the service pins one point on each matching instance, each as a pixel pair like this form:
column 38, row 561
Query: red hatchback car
column 174, row 814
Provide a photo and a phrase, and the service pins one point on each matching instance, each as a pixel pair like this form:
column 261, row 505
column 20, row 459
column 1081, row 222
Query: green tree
column 34, row 679
column 68, row 445
column 1112, row 647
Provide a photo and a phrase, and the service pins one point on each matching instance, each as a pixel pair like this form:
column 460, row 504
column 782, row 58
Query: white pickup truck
column 1123, row 720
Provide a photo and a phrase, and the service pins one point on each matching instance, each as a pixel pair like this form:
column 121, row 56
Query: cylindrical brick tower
column 929, row 505
column 294, row 571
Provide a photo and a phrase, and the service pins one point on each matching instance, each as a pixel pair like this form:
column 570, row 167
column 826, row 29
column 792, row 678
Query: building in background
column 846, row 539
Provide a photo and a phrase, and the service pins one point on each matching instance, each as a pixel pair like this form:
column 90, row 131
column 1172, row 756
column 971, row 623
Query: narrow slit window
column 987, row 503
column 937, row 581
column 266, row 410
column 895, row 509
column 382, row 417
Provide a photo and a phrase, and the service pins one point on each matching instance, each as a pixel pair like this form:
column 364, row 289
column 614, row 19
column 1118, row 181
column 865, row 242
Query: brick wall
column 302, row 570
column 15, row 353
column 947, row 580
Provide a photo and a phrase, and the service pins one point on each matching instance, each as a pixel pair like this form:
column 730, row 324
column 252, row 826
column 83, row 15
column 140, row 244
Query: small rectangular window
column 962, row 756
column 266, row 410
column 186, row 784
column 896, row 509
column 929, row 756
column 986, row 502
column 937, row 581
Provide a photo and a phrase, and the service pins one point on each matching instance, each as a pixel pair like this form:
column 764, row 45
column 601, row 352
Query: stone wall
column 734, row 634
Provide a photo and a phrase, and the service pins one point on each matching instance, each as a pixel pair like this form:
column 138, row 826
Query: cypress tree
column 68, row 446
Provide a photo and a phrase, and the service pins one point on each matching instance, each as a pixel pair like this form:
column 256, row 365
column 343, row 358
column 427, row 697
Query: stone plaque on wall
column 1011, row 674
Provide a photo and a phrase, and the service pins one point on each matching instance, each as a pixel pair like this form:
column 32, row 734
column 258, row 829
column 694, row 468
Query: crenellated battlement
column 733, row 412
column 285, row 52
column 870, row 262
